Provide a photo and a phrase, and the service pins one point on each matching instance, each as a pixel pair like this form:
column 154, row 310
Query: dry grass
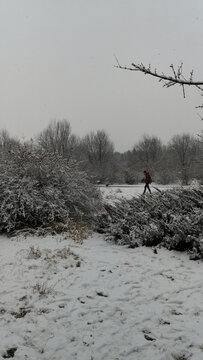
column 42, row 289
column 78, row 232
column 34, row 253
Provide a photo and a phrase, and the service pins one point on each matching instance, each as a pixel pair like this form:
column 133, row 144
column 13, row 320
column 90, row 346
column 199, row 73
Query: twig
column 177, row 77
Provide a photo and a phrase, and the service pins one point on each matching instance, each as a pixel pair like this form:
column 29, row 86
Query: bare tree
column 149, row 151
column 185, row 148
column 7, row 143
column 98, row 151
column 57, row 138
column 98, row 147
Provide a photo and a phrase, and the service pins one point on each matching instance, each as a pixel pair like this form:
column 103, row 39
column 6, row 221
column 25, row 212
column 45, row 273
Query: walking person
column 147, row 180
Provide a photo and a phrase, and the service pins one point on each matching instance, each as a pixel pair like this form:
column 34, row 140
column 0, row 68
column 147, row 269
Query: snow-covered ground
column 116, row 192
column 92, row 301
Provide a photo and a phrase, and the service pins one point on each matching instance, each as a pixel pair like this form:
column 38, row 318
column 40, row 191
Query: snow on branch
column 177, row 76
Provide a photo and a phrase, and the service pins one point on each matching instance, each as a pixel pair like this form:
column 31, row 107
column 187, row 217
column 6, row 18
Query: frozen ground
column 115, row 192
column 61, row 300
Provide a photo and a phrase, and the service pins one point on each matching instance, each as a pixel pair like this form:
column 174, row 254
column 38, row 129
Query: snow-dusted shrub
column 38, row 188
column 173, row 219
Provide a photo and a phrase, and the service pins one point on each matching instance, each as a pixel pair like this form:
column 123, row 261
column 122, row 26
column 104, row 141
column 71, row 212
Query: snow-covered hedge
column 173, row 219
column 39, row 189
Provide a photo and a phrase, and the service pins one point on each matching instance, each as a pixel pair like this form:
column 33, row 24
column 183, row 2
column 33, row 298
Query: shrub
column 38, row 188
column 173, row 219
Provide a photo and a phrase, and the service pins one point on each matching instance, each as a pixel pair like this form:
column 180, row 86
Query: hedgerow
column 173, row 219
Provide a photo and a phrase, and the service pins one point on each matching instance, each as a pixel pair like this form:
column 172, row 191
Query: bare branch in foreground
column 176, row 78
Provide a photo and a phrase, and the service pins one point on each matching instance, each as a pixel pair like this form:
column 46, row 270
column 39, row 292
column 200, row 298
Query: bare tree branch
column 177, row 77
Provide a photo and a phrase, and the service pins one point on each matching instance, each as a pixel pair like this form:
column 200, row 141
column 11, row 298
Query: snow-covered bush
column 173, row 219
column 38, row 188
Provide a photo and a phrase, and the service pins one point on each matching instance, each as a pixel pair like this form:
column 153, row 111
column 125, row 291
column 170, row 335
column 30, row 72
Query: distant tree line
column 180, row 160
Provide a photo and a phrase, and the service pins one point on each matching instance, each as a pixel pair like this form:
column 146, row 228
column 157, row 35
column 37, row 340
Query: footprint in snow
column 164, row 322
column 175, row 312
column 148, row 336
column 100, row 293
column 10, row 353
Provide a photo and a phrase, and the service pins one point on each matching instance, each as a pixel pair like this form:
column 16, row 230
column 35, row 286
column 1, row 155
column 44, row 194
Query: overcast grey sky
column 56, row 62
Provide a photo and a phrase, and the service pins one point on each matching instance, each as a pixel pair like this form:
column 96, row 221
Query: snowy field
column 116, row 192
column 61, row 300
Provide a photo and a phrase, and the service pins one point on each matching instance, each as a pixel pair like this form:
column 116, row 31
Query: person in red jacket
column 147, row 180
